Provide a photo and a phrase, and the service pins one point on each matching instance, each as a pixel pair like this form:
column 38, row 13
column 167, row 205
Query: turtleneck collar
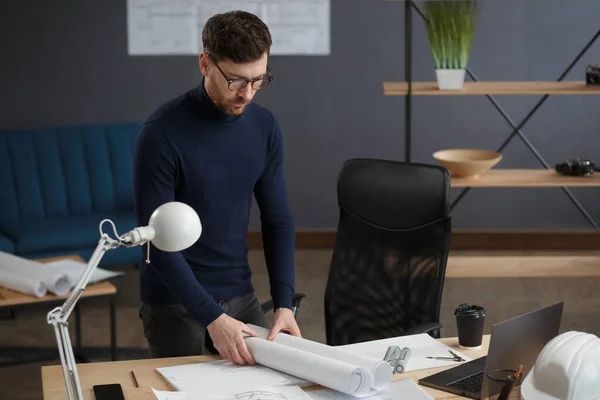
column 206, row 108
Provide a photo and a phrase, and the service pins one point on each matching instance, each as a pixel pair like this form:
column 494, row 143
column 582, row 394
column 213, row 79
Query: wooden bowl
column 467, row 162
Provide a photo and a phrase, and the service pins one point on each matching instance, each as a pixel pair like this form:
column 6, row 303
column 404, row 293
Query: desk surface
column 10, row 297
column 145, row 371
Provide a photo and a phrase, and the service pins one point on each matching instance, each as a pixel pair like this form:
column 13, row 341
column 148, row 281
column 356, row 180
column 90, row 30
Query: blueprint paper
column 37, row 279
column 285, row 361
column 162, row 27
column 405, row 389
column 332, row 367
column 23, row 284
column 26, row 276
column 74, row 270
column 259, row 393
column 174, row 27
column 421, row 346
column 223, row 378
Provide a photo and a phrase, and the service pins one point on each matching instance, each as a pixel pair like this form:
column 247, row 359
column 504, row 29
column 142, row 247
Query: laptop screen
column 519, row 341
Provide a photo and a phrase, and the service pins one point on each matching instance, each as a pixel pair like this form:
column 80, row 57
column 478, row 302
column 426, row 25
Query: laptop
column 516, row 341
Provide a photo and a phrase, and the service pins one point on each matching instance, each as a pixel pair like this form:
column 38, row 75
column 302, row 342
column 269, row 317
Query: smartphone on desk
column 111, row 391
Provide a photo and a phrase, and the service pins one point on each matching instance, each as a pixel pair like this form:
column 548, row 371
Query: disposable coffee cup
column 469, row 322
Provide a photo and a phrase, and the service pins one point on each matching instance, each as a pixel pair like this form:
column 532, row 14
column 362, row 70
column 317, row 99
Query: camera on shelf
column 576, row 167
column 592, row 75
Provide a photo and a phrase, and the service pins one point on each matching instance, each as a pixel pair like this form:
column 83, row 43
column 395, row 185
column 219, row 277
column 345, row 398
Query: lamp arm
column 105, row 244
column 169, row 217
column 59, row 316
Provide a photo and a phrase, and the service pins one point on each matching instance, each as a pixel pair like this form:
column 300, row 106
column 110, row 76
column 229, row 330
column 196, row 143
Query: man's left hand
column 284, row 322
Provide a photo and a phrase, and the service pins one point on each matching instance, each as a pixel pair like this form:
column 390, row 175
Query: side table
column 10, row 299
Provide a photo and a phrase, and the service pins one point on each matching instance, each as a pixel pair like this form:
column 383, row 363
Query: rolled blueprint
column 338, row 369
column 22, row 284
column 26, row 271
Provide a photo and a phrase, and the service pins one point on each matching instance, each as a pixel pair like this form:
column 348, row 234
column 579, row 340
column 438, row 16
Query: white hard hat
column 567, row 368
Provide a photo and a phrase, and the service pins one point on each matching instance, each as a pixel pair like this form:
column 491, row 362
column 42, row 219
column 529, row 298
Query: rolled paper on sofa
column 334, row 368
column 22, row 284
column 54, row 281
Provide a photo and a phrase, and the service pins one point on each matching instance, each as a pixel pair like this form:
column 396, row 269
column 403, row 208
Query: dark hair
column 236, row 35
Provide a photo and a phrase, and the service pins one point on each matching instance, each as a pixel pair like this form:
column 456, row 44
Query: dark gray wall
column 66, row 62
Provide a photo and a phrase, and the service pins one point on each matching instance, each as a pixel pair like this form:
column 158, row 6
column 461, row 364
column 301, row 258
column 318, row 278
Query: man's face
column 231, row 102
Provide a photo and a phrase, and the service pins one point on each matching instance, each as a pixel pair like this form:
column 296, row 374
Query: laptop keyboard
column 469, row 384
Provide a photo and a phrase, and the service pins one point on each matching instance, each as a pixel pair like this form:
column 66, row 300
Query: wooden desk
column 53, row 383
column 14, row 300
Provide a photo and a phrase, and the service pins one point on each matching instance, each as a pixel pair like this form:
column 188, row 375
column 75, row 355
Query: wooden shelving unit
column 525, row 178
column 524, row 265
column 545, row 177
column 497, row 88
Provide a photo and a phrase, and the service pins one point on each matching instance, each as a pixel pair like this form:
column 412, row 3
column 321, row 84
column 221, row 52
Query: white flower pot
column 450, row 79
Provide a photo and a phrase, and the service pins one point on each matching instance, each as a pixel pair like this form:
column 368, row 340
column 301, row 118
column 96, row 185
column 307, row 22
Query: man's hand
column 227, row 335
column 284, row 321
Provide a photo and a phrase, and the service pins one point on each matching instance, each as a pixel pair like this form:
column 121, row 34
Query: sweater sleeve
column 155, row 171
column 277, row 224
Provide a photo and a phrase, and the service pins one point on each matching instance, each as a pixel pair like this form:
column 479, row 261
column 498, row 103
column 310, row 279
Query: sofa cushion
column 6, row 245
column 41, row 235
column 66, row 171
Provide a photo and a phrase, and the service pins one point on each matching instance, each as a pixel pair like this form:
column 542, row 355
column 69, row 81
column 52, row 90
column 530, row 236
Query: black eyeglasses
column 237, row 84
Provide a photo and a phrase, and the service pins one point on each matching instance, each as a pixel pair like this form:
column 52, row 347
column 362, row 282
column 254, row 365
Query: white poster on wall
column 174, row 27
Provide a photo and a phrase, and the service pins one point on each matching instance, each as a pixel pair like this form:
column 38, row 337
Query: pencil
column 510, row 384
column 134, row 380
column 518, row 374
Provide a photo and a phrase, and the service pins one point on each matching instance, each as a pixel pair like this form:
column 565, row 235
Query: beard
column 233, row 107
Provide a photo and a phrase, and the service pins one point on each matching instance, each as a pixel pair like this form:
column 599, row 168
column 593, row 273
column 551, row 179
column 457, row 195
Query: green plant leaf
column 450, row 29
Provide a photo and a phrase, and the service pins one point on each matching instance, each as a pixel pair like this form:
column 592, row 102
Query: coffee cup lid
column 470, row 311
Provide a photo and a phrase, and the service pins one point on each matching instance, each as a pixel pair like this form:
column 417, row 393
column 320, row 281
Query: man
column 213, row 148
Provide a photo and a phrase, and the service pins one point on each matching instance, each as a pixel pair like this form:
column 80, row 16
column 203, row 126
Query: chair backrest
column 389, row 261
column 66, row 171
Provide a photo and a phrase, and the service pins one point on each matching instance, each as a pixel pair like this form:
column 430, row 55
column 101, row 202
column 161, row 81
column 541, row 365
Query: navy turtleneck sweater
column 189, row 151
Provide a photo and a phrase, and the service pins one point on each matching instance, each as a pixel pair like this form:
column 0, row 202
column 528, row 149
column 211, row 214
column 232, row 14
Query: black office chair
column 389, row 261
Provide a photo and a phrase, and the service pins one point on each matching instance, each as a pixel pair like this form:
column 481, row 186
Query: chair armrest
column 427, row 327
column 296, row 300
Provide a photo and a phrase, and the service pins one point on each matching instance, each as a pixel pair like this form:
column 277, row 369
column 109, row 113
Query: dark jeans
column 172, row 332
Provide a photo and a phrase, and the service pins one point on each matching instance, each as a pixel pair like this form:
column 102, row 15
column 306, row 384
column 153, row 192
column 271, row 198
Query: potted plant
column 450, row 28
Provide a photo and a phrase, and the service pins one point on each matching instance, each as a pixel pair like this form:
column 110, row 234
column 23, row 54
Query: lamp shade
column 176, row 226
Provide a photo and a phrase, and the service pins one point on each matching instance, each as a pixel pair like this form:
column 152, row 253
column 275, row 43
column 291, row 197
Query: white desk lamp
column 172, row 227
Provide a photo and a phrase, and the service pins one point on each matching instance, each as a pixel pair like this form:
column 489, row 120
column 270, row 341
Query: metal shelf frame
column 517, row 129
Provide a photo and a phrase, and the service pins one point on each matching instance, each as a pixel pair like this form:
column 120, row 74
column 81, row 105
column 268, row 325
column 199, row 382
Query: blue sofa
column 57, row 184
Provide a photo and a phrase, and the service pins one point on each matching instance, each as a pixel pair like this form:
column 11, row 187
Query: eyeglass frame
column 246, row 81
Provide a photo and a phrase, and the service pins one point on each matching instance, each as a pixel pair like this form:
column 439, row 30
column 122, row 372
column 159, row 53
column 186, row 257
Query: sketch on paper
column 259, row 393
column 174, row 27
column 406, row 389
column 215, row 376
